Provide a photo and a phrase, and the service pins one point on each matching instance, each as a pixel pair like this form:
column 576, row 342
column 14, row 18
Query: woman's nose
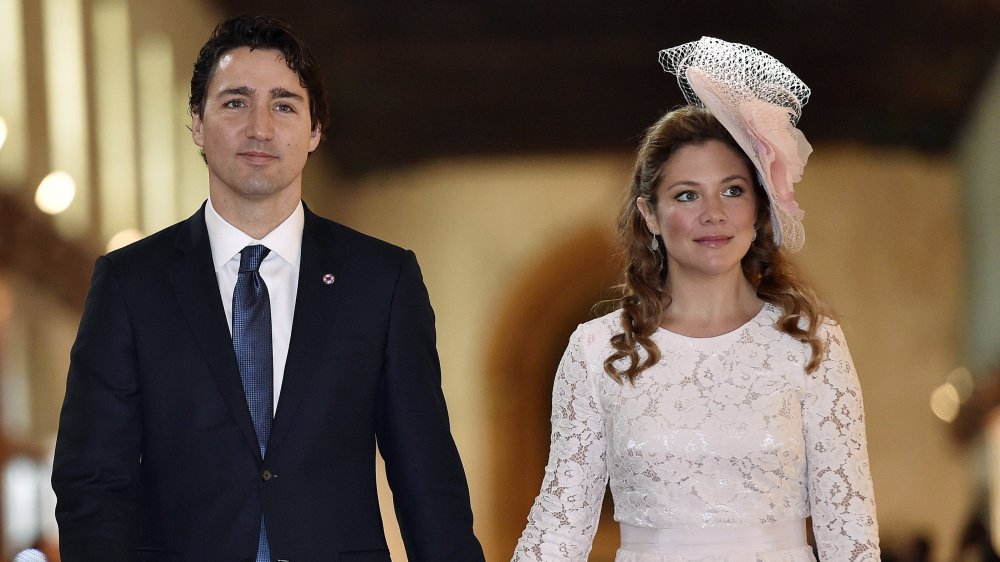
column 713, row 210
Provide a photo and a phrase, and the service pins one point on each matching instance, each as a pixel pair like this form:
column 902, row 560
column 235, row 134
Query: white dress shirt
column 280, row 271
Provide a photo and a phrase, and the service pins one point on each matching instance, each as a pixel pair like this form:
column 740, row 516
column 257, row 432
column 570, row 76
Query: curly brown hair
column 643, row 298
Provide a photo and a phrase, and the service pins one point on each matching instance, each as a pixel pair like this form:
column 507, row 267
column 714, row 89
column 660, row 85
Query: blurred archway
column 568, row 285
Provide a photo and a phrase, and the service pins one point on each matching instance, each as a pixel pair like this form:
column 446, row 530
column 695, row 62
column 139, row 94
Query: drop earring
column 655, row 244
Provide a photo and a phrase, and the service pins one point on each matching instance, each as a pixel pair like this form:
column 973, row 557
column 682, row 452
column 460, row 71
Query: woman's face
column 705, row 210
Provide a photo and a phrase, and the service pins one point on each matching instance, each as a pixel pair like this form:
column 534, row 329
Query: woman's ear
column 648, row 214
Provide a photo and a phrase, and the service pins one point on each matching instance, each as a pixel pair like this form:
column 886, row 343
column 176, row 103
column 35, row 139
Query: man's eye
column 285, row 108
column 232, row 104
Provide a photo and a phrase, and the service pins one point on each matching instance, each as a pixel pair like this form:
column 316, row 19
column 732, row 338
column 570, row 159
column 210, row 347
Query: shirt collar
column 227, row 241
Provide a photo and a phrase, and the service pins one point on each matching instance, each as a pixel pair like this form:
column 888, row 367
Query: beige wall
column 883, row 247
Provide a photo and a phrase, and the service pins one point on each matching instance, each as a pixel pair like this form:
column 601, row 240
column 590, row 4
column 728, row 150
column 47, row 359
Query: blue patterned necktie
column 252, row 343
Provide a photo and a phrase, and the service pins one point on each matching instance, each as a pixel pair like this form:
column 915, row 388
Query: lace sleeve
column 563, row 520
column 841, row 496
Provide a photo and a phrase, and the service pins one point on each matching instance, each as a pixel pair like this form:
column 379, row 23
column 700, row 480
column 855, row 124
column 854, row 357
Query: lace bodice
column 723, row 431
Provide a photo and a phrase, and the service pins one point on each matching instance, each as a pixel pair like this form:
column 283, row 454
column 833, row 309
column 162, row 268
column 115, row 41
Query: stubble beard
column 258, row 185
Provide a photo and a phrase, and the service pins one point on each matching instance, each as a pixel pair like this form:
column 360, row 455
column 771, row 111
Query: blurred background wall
column 495, row 142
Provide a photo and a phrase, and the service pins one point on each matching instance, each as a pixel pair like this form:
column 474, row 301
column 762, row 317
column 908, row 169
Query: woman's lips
column 713, row 240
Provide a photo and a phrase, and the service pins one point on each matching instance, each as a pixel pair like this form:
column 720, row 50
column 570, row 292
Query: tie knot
column 251, row 256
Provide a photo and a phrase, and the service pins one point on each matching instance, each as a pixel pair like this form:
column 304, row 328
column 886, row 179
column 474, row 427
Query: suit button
column 266, row 475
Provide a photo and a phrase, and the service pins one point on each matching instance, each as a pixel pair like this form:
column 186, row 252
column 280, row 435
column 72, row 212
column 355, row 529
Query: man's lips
column 257, row 156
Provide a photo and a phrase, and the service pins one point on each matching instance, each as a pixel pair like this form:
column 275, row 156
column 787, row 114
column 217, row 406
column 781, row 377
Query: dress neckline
column 767, row 309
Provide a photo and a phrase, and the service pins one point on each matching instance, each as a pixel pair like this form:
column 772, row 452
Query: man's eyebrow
column 276, row 93
column 240, row 91
column 280, row 92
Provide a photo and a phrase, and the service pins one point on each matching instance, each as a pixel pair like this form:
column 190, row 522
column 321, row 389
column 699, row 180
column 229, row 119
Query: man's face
column 255, row 129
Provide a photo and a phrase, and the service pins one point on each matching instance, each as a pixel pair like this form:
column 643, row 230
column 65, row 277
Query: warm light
column 20, row 504
column 118, row 195
column 123, row 238
column 69, row 125
column 13, row 95
column 158, row 134
column 962, row 380
column 945, row 402
column 55, row 193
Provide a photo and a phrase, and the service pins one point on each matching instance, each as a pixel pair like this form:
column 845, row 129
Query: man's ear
column 315, row 136
column 196, row 131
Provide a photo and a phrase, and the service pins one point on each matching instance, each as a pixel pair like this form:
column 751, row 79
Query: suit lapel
column 315, row 313
column 193, row 279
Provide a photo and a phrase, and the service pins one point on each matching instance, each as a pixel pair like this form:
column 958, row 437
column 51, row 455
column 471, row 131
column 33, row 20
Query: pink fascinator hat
column 759, row 101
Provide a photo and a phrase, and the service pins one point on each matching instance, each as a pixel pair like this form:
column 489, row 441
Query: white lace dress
column 725, row 436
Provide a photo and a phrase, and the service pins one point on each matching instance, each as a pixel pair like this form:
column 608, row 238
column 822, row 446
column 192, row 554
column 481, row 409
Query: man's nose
column 259, row 125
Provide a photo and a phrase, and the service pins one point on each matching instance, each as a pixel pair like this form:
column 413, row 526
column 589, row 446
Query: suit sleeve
column 423, row 467
column 96, row 466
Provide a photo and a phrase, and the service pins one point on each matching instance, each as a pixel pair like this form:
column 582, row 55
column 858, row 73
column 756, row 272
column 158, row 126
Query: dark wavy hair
column 260, row 32
column 774, row 277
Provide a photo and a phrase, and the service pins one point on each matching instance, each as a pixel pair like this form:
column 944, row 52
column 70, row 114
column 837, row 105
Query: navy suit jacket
column 157, row 459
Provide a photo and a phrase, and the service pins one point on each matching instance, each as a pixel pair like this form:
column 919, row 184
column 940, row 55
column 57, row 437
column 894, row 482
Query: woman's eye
column 733, row 191
column 686, row 196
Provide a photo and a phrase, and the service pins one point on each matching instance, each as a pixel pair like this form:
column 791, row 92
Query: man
column 194, row 336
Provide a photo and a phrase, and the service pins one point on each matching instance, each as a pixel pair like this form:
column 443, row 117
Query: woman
column 721, row 400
